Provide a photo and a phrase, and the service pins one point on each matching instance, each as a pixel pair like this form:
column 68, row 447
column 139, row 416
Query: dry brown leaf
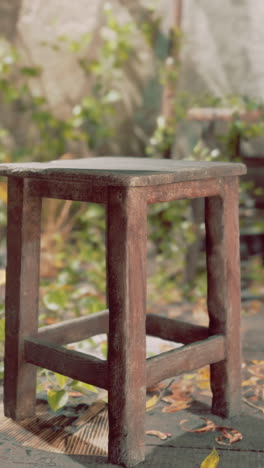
column 181, row 405
column 210, row 426
column 256, row 371
column 231, row 435
column 159, row 434
column 228, row 433
column 157, row 388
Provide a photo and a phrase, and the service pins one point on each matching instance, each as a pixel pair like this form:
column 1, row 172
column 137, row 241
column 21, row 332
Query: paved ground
column 183, row 449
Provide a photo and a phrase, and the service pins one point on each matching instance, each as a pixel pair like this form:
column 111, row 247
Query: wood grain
column 174, row 330
column 185, row 359
column 67, row 190
column 133, row 172
column 222, row 247
column 71, row 331
column 22, row 283
column 183, row 190
column 74, row 364
column 126, row 265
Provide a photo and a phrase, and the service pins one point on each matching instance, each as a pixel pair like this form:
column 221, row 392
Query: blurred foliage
column 73, row 240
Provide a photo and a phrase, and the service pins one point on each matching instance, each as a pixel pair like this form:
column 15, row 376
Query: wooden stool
column 126, row 186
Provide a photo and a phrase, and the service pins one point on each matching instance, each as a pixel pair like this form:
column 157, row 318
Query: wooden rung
column 185, row 359
column 213, row 113
column 71, row 331
column 175, row 330
column 67, row 190
column 74, row 364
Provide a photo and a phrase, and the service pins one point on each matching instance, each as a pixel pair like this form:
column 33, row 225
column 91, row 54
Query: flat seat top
column 123, row 171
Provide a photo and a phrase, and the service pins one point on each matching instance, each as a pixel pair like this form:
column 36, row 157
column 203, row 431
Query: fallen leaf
column 228, row 433
column 189, row 376
column 210, row 426
column 57, row 399
column 203, row 385
column 204, row 373
column 231, row 435
column 258, row 363
column 159, row 434
column 74, row 394
column 173, row 401
column 151, row 403
column 249, row 382
column 181, row 405
column 157, row 388
column 211, row 461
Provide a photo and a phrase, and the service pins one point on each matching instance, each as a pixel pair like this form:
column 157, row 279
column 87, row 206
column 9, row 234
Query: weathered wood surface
column 185, row 359
column 187, row 449
column 182, row 190
column 71, row 331
column 126, row 186
column 174, row 330
column 108, row 171
column 222, row 247
column 88, row 192
column 65, row 361
column 67, row 190
column 126, row 269
column 22, row 282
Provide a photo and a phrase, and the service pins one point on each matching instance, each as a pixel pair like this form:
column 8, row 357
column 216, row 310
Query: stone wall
column 222, row 54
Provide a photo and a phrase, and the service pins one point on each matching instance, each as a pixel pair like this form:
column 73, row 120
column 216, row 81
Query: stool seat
column 123, row 171
column 126, row 186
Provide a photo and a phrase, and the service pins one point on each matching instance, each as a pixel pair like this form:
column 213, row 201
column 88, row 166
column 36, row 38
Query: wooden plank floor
column 182, row 449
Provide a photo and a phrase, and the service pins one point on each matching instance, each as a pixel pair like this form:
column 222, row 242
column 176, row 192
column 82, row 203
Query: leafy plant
column 60, row 389
column 73, row 240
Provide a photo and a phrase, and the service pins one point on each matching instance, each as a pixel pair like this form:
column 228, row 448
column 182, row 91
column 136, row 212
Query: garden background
column 154, row 78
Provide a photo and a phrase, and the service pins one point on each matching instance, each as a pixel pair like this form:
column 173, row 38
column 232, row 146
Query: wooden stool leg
column 223, row 269
column 22, row 282
column 126, row 259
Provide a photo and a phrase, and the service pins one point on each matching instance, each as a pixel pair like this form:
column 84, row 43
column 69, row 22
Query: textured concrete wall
column 62, row 81
column 222, row 54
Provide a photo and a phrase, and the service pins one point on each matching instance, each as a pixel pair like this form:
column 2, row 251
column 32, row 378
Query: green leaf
column 57, row 399
column 61, row 379
column 211, row 461
column 2, row 329
column 81, row 387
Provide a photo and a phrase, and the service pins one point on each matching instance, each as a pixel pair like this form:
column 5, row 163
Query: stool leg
column 22, row 282
column 223, row 269
column 126, row 260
